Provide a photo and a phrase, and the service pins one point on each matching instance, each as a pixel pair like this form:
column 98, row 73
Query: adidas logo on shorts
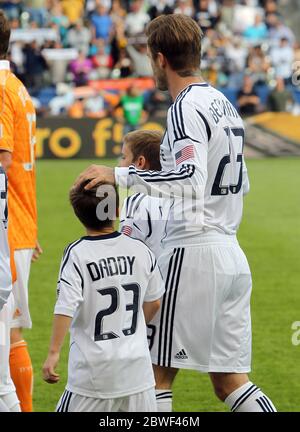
column 181, row 355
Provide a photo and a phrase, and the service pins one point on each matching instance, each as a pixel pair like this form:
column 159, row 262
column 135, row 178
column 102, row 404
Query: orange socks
column 22, row 374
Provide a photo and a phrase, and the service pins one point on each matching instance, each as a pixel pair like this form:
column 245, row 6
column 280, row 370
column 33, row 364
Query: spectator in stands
column 80, row 69
column 102, row 60
column 63, row 100
column 185, row 7
column 37, row 10
column 256, row 32
column 247, row 99
column 102, row 23
column 207, row 14
column 243, row 16
column 279, row 31
column 73, row 9
column 227, row 13
column 160, row 7
column 11, row 8
column 79, row 37
column 124, row 67
column 282, row 57
column 60, row 20
column 271, row 8
column 132, row 103
column 235, row 53
column 57, row 63
column 117, row 12
column 136, row 19
column 140, row 60
column 258, row 65
column 94, row 106
column 280, row 99
column 34, row 66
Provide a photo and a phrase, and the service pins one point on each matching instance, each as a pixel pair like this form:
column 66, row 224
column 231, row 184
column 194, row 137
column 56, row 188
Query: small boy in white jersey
column 143, row 216
column 109, row 287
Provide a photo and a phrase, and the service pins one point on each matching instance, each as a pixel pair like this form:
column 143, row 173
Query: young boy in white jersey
column 143, row 217
column 109, row 287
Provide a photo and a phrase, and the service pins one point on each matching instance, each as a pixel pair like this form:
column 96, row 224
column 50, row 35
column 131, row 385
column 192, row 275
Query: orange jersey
column 17, row 135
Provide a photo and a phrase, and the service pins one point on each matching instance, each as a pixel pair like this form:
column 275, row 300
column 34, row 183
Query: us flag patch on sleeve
column 184, row 154
column 127, row 230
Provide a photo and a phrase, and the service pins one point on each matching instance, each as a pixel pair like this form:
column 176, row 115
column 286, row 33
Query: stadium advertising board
column 86, row 138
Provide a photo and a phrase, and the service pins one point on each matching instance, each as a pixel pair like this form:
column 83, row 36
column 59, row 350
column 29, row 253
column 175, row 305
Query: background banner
column 86, row 138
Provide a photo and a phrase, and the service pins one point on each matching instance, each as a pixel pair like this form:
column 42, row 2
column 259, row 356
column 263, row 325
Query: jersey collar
column 102, row 237
column 200, row 84
column 4, row 65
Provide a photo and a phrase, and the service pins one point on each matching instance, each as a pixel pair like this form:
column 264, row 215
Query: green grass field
column 270, row 236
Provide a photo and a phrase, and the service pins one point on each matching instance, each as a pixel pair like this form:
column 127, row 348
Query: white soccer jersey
column 144, row 218
column 103, row 283
column 202, row 161
column 5, row 272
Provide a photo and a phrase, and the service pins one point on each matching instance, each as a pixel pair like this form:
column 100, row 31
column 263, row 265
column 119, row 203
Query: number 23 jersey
column 203, row 166
column 103, row 283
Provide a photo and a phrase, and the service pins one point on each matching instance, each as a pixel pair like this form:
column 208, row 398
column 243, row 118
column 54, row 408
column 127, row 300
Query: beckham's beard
column 161, row 79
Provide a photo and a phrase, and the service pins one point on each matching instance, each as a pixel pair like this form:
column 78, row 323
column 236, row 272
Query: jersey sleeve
column 134, row 219
column 156, row 286
column 6, row 121
column 189, row 133
column 69, row 287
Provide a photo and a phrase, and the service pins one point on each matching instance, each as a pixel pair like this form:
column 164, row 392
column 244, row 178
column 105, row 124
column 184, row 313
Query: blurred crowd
column 58, row 46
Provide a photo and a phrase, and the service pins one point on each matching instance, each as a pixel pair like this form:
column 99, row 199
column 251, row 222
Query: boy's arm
column 150, row 309
column 155, row 289
column 69, row 298
column 61, row 325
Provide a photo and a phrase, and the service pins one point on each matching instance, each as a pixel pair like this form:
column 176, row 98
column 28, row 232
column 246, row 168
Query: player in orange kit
column 17, row 155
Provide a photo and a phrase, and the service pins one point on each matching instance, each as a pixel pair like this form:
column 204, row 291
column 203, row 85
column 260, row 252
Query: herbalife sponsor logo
column 181, row 355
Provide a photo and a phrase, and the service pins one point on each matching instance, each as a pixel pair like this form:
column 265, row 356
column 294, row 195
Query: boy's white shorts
column 139, row 402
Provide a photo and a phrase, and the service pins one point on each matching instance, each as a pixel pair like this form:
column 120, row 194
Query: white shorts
column 20, row 289
column 139, row 402
column 10, row 403
column 204, row 321
column 8, row 395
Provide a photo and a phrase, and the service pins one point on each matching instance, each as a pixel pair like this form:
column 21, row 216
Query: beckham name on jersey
column 222, row 107
column 111, row 266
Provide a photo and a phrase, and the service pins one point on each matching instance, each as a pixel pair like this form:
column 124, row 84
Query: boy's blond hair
column 145, row 143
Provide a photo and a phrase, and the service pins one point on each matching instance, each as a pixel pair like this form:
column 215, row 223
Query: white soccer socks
column 164, row 400
column 249, row 398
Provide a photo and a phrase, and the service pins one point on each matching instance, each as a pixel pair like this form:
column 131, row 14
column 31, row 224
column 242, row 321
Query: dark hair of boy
column 85, row 204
